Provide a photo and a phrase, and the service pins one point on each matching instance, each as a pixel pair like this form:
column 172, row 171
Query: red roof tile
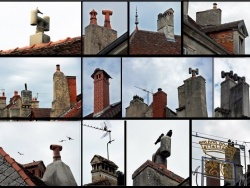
column 33, row 164
column 153, row 43
column 40, row 112
column 75, row 111
column 68, row 46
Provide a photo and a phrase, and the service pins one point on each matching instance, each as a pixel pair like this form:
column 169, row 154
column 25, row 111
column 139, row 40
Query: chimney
column 2, row 100
column 185, row 9
column 34, row 103
column 72, row 89
column 93, row 19
column 159, row 103
column 98, row 37
column 211, row 17
column 165, row 24
column 42, row 25
column 26, row 96
column 101, row 90
column 136, row 108
column 57, row 68
column 107, row 14
column 15, row 93
column 58, row 173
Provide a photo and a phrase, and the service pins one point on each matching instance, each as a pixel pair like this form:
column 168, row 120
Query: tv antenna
column 147, row 93
column 105, row 126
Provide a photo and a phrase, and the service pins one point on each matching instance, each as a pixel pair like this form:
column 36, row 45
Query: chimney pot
column 15, row 93
column 93, row 19
column 3, row 94
column 56, row 149
column 159, row 89
column 107, row 14
column 215, row 6
column 57, row 68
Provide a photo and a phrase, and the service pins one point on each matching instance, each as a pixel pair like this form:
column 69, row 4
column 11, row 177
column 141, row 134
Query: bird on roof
column 159, row 139
column 20, row 153
column 62, row 140
column 169, row 133
column 69, row 138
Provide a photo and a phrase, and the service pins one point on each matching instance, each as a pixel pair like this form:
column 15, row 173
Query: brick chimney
column 2, row 100
column 159, row 103
column 101, row 90
column 72, row 89
column 165, row 24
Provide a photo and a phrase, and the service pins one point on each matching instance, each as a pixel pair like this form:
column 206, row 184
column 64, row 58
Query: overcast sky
column 33, row 139
column 141, row 147
column 38, row 74
column 65, row 21
column 239, row 66
column 231, row 11
column 165, row 73
column 113, row 67
column 148, row 15
column 94, row 145
column 226, row 129
column 118, row 20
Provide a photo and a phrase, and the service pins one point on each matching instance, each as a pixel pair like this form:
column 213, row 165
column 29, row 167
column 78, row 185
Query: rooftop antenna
column 136, row 20
column 147, row 93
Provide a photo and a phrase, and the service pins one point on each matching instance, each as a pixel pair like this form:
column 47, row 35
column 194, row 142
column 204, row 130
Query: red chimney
column 56, row 149
column 72, row 88
column 159, row 103
column 93, row 19
column 57, row 68
column 107, row 14
column 101, row 90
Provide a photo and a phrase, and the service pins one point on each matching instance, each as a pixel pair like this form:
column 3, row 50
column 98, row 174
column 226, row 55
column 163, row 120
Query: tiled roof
column 226, row 26
column 40, row 112
column 159, row 169
column 13, row 174
column 112, row 111
column 68, row 46
column 33, row 164
column 148, row 42
column 75, row 111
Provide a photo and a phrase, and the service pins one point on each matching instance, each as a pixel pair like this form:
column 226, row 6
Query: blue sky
column 118, row 20
column 65, row 21
column 148, row 14
column 113, row 67
column 38, row 74
column 165, row 73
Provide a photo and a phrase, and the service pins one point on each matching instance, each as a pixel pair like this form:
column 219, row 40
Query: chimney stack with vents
column 159, row 103
column 2, row 100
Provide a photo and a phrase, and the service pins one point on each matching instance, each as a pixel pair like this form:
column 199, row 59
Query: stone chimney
column 34, row 103
column 72, row 89
column 103, row 169
column 136, row 108
column 42, row 26
column 26, row 96
column 98, row 37
column 159, row 104
column 211, row 17
column 61, row 93
column 101, row 90
column 165, row 24
column 185, row 9
column 2, row 100
column 58, row 173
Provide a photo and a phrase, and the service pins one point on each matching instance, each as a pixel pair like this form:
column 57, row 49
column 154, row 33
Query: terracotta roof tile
column 68, row 46
column 153, row 43
column 75, row 111
column 40, row 112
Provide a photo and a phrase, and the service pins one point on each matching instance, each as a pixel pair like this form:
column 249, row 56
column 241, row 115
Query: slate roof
column 147, row 42
column 68, row 46
column 14, row 174
column 158, row 168
column 222, row 27
column 112, row 111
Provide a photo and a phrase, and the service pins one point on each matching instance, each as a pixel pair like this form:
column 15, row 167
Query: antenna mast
column 147, row 93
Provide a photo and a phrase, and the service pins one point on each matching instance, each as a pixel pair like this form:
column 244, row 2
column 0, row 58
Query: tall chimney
column 101, row 90
column 56, row 151
column 107, row 14
column 2, row 100
column 159, row 103
column 93, row 19
column 72, row 89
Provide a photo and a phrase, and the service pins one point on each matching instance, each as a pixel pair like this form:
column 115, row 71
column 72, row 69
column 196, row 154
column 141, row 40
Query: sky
column 94, row 145
column 239, row 66
column 33, row 139
column 65, row 21
column 148, row 15
column 225, row 129
column 38, row 74
column 118, row 20
column 231, row 11
column 140, row 147
column 113, row 67
column 165, row 73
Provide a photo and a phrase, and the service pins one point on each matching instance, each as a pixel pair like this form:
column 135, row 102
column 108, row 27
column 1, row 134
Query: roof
column 68, row 46
column 14, row 174
column 76, row 110
column 158, row 168
column 101, row 182
column 33, row 164
column 185, row 182
column 40, row 113
column 112, row 111
column 115, row 44
column 148, row 42
column 104, row 160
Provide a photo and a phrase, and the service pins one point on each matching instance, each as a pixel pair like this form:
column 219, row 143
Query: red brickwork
column 159, row 104
column 72, row 89
column 225, row 39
